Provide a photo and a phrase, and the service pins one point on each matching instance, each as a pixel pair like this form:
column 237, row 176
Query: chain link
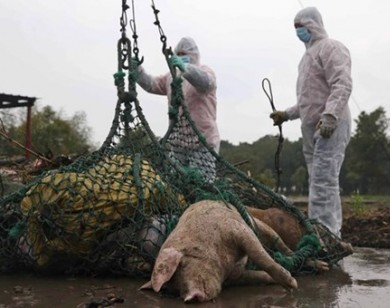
column 123, row 18
column 133, row 28
column 167, row 52
column 124, row 45
column 125, row 96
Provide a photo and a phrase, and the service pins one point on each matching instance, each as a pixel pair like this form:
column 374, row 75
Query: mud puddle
column 363, row 281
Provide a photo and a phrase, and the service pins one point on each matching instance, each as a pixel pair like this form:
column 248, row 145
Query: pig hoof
column 293, row 284
column 287, row 281
column 321, row 266
column 347, row 247
column 318, row 265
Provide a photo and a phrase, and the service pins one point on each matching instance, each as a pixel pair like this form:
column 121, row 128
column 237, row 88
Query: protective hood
column 188, row 46
column 311, row 18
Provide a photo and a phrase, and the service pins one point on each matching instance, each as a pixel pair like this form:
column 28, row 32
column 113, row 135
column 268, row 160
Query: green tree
column 267, row 178
column 367, row 165
column 50, row 131
column 259, row 159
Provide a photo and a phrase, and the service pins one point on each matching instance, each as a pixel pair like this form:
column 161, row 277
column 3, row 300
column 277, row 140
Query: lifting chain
column 167, row 52
column 124, row 45
column 135, row 36
column 124, row 64
column 125, row 56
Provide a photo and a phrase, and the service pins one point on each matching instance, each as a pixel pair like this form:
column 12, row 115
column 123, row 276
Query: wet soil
column 365, row 223
column 361, row 282
column 368, row 226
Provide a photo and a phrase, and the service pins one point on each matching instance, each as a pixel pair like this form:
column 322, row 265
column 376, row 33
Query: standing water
column 362, row 281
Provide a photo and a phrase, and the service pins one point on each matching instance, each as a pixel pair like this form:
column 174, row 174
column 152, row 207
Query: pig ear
column 147, row 285
column 166, row 264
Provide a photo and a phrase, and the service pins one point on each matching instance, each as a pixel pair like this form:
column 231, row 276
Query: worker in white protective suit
column 199, row 90
column 323, row 88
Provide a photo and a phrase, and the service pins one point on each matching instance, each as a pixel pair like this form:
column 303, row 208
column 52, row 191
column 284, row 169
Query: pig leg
column 271, row 239
column 318, row 265
column 250, row 244
column 250, row 277
column 240, row 276
column 282, row 222
column 238, row 269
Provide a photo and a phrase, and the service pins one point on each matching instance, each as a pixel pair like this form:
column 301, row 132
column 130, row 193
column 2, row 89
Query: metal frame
column 14, row 101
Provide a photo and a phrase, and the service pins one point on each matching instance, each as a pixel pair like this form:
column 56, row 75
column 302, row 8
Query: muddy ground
column 368, row 226
column 365, row 223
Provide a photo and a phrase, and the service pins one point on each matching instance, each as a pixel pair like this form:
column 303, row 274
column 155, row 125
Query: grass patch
column 357, row 204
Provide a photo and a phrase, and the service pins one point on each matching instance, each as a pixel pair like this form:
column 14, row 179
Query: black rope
column 278, row 169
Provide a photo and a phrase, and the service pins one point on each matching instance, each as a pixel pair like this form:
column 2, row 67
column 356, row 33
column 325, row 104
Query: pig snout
column 195, row 296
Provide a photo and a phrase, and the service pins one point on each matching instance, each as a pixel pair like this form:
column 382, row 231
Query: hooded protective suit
column 323, row 88
column 199, row 89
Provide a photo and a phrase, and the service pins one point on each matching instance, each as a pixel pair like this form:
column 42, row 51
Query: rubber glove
column 134, row 62
column 327, row 125
column 176, row 61
column 279, row 117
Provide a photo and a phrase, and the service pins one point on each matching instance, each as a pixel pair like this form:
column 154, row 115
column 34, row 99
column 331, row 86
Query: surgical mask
column 185, row 58
column 303, row 34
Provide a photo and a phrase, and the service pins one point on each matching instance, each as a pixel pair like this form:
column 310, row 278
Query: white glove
column 327, row 125
column 279, row 117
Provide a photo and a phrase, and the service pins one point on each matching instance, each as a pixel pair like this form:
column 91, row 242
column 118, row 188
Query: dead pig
column 283, row 223
column 209, row 246
column 290, row 231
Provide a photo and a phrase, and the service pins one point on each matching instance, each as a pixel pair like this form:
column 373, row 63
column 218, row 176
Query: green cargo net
column 110, row 211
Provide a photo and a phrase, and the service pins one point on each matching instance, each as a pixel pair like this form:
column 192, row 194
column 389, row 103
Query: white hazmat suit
column 323, row 89
column 199, row 90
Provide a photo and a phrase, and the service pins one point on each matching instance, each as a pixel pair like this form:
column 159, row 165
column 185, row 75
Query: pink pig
column 210, row 246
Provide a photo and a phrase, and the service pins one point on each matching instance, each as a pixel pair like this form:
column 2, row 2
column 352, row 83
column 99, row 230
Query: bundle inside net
column 110, row 211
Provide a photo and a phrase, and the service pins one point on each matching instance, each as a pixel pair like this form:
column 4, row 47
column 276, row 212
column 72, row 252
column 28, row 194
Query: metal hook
column 269, row 92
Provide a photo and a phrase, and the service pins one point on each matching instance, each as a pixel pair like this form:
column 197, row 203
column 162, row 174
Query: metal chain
column 124, row 45
column 133, row 28
column 123, row 18
column 124, row 62
column 167, row 52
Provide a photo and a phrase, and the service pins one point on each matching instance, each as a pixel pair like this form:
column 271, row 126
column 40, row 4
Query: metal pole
column 28, row 132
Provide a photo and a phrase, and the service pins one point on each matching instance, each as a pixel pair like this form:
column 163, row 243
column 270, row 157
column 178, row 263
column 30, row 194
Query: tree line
column 366, row 168
column 51, row 132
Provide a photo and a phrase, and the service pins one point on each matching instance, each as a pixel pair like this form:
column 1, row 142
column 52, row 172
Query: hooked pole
column 278, row 169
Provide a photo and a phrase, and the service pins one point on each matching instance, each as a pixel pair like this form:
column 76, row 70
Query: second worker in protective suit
column 199, row 91
column 323, row 87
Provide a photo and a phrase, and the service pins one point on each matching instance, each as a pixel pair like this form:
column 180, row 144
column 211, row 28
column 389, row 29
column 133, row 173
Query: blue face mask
column 303, row 34
column 185, row 58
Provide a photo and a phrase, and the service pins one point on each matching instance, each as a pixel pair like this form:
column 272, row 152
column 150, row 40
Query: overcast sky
column 64, row 53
